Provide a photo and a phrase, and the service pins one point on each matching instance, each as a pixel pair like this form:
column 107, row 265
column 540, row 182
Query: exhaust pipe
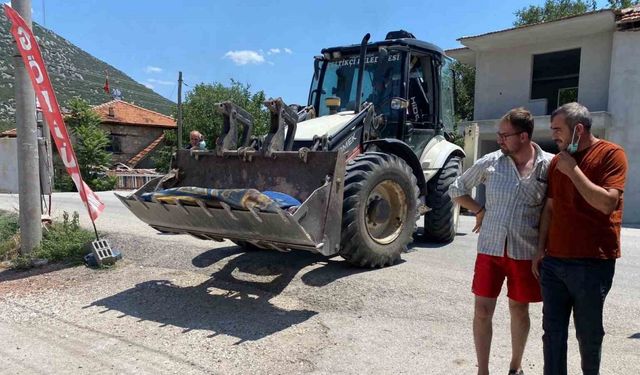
column 363, row 54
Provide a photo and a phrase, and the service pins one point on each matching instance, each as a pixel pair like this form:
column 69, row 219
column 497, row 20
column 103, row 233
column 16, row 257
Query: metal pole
column 47, row 137
column 363, row 55
column 27, row 137
column 179, row 110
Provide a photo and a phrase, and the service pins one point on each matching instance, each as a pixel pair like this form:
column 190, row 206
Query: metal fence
column 131, row 181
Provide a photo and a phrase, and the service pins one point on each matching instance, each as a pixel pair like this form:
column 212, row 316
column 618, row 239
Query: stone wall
column 132, row 139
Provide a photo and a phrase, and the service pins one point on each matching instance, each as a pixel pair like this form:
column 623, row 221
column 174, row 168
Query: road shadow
column 237, row 299
column 419, row 241
column 635, row 336
column 271, row 271
column 15, row 274
column 214, row 306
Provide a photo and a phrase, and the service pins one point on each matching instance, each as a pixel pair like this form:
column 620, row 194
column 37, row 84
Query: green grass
column 63, row 240
column 8, row 235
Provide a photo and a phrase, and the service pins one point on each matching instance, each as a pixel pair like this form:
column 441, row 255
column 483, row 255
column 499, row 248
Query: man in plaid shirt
column 515, row 178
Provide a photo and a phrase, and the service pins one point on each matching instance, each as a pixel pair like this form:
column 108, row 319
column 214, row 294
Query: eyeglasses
column 503, row 137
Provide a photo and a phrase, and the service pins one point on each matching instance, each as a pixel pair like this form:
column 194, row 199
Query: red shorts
column 491, row 271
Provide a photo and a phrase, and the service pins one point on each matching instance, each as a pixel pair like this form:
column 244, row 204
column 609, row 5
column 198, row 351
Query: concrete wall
column 624, row 106
column 602, row 125
column 503, row 76
column 135, row 139
column 8, row 165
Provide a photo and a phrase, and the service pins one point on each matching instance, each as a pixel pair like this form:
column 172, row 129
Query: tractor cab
column 408, row 81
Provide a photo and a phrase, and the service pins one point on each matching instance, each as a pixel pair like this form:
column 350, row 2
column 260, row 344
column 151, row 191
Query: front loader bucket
column 313, row 178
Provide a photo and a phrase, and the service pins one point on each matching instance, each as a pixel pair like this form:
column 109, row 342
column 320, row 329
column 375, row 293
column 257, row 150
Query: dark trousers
column 580, row 285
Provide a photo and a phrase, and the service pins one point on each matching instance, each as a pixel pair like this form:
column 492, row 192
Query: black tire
column 441, row 222
column 379, row 210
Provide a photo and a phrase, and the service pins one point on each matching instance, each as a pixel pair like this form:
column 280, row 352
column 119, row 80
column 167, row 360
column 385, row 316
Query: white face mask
column 573, row 146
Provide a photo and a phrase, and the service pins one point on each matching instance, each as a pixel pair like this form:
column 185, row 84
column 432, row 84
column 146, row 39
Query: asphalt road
column 176, row 304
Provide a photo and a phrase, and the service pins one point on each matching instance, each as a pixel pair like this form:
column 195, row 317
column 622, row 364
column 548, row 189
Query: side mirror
column 399, row 103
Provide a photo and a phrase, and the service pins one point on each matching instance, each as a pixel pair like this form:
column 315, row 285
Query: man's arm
column 603, row 200
column 545, row 221
column 460, row 190
column 469, row 203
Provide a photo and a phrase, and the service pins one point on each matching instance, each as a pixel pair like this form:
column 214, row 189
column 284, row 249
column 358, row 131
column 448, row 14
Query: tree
column 552, row 10
column 621, row 4
column 199, row 112
column 162, row 158
column 465, row 81
column 90, row 147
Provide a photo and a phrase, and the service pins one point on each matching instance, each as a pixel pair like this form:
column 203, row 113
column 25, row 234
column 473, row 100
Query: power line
column 93, row 74
column 173, row 90
column 98, row 89
column 97, row 92
column 118, row 81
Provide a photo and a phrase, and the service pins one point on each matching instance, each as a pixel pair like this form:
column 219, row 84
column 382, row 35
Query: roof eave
column 464, row 55
column 580, row 25
column 115, row 122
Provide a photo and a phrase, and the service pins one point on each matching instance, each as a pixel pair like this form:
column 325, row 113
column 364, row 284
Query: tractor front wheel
column 379, row 209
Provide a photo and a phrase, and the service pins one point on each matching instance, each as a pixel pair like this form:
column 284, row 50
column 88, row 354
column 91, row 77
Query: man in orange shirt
column 579, row 237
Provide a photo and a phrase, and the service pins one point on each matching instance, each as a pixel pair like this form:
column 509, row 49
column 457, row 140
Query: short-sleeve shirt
column 513, row 203
column 577, row 229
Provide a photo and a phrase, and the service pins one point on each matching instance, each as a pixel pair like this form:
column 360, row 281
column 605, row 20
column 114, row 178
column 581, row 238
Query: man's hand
column 566, row 163
column 479, row 218
column 535, row 263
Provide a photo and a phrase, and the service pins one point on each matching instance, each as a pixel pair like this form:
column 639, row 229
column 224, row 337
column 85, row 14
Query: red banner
column 32, row 58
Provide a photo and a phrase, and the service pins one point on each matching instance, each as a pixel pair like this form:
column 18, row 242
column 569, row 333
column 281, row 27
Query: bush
column 162, row 157
column 64, row 240
column 8, row 225
column 61, row 241
column 9, row 239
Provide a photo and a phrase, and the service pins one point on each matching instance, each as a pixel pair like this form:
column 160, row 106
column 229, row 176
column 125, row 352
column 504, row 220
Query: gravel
column 176, row 304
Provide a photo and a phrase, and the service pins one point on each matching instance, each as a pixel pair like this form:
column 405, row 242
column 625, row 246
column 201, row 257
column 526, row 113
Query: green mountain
column 73, row 72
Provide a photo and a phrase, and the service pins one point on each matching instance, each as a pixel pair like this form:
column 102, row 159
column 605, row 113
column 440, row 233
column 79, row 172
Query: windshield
column 381, row 82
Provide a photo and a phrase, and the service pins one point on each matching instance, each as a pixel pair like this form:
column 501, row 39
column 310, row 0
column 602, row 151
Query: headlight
column 399, row 103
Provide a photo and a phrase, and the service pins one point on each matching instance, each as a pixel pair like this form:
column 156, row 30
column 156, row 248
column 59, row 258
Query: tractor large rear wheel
column 441, row 222
column 379, row 209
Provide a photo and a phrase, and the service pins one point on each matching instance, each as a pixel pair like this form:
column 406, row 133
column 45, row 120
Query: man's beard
column 506, row 151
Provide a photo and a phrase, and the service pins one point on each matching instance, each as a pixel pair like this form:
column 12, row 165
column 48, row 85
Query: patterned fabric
column 513, row 204
column 240, row 199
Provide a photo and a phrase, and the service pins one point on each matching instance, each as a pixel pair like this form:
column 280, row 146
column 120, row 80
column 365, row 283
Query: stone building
column 135, row 132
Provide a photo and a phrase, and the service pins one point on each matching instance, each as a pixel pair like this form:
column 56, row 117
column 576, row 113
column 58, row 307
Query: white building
column 593, row 58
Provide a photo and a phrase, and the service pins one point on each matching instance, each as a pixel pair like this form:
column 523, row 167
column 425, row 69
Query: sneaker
column 516, row 372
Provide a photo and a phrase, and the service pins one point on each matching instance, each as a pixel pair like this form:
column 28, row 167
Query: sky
column 269, row 45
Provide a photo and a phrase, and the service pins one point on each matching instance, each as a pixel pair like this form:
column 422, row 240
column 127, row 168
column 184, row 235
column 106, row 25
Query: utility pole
column 27, row 137
column 179, row 110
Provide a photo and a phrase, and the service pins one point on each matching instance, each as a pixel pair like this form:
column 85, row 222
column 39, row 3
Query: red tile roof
column 629, row 15
column 123, row 113
column 142, row 154
column 11, row 133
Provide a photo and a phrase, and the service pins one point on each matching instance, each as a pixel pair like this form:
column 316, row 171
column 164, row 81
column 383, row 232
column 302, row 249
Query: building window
column 555, row 77
column 115, row 143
